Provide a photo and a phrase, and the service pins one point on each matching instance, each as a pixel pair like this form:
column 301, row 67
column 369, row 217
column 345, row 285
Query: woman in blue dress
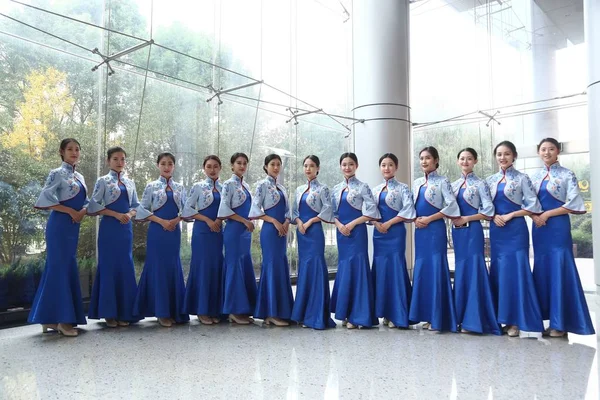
column 239, row 281
column 516, row 301
column 432, row 299
column 554, row 271
column 312, row 205
column 472, row 293
column 161, row 289
column 353, row 298
column 275, row 300
column 114, row 288
column 57, row 304
column 392, row 284
column 203, row 293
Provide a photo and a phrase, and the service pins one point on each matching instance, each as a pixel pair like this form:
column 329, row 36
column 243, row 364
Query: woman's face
column 428, row 163
column 273, row 167
column 166, row 166
column 548, row 152
column 212, row 168
column 71, row 153
column 117, row 162
column 310, row 169
column 388, row 168
column 504, row 157
column 239, row 166
column 348, row 167
column 466, row 161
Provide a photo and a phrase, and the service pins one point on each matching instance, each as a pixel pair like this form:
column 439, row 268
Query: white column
column 592, row 42
column 381, row 89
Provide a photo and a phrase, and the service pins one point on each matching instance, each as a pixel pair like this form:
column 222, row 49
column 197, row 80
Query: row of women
column 221, row 284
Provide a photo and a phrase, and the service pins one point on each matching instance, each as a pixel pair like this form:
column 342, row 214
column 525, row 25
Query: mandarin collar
column 211, row 181
column 116, row 174
column 67, row 166
column 554, row 165
column 431, row 174
column 511, row 168
column 237, row 178
column 272, row 180
column 351, row 179
column 392, row 180
column 312, row 181
column 165, row 181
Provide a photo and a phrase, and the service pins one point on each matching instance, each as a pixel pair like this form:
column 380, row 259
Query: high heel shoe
column 205, row 320
column 276, row 321
column 166, row 322
column 556, row 334
column 215, row 320
column 111, row 323
column 513, row 331
column 46, row 327
column 67, row 330
column 239, row 319
column 123, row 323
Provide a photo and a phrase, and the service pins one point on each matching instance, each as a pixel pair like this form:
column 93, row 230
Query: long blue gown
column 510, row 272
column 114, row 288
column 58, row 297
column 392, row 284
column 274, row 296
column 352, row 297
column 239, row 281
column 311, row 306
column 162, row 289
column 557, row 282
column 203, row 294
column 472, row 293
column 432, row 300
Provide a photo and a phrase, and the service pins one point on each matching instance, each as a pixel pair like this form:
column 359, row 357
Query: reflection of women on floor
column 114, row 288
column 57, row 304
column 275, row 300
column 510, row 273
column 392, row 284
column 352, row 299
column 472, row 293
column 161, row 289
column 203, row 293
column 432, row 300
column 554, row 272
column 239, row 282
column 311, row 206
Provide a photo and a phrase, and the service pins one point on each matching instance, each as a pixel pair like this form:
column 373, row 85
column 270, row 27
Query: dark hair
column 469, row 150
column 314, row 159
column 391, row 157
column 211, row 157
column 508, row 144
column 434, row 153
column 65, row 142
column 235, row 156
column 349, row 155
column 549, row 140
column 114, row 150
column 163, row 155
column 270, row 158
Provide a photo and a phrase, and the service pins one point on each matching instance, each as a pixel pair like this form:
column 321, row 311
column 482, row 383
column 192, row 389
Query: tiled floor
column 227, row 361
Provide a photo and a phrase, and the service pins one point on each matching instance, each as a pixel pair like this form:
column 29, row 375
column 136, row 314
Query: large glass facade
column 507, row 60
column 156, row 100
column 502, row 60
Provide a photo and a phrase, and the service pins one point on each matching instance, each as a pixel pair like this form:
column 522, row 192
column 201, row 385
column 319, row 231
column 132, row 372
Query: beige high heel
column 276, row 321
column 556, row 334
column 123, row 323
column 166, row 322
column 67, row 330
column 239, row 319
column 205, row 320
column 215, row 320
column 111, row 323
column 47, row 327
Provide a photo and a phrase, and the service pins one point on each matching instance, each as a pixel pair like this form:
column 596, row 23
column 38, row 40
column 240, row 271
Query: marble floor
column 226, row 361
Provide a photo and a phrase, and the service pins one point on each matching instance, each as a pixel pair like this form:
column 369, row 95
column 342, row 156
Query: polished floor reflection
column 255, row 362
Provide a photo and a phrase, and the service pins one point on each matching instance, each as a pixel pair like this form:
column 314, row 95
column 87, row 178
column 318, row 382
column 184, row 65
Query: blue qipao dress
column 557, row 282
column 311, row 307
column 58, row 296
column 114, row 290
